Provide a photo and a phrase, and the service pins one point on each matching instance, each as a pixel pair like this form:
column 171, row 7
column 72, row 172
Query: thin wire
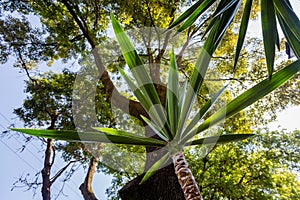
column 19, row 156
column 36, row 171
column 33, row 154
column 2, row 126
column 71, row 188
column 28, row 164
column 5, row 118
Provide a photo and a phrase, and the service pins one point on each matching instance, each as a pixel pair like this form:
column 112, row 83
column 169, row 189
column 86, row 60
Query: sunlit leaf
column 156, row 129
column 193, row 17
column 243, row 30
column 146, row 102
column 193, row 88
column 156, row 166
column 291, row 38
column 268, row 21
column 289, row 16
column 140, row 74
column 219, row 25
column 172, row 95
column 135, row 63
column 220, row 139
column 224, row 6
column 112, row 137
column 186, row 14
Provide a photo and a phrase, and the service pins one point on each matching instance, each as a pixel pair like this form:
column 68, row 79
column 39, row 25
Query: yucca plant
column 170, row 120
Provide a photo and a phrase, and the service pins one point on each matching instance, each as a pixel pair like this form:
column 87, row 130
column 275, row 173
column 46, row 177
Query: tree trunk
column 86, row 187
column 185, row 177
column 163, row 185
column 46, row 171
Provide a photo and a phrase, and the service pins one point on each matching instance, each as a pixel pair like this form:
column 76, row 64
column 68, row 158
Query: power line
column 27, row 163
column 4, row 117
column 2, row 126
column 33, row 154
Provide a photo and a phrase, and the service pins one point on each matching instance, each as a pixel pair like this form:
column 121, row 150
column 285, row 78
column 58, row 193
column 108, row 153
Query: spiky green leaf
column 146, row 103
column 135, row 63
column 243, row 30
column 219, row 25
column 195, row 15
column 203, row 110
column 186, row 14
column 268, row 21
column 172, row 95
column 289, row 35
column 74, row 136
column 220, row 139
column 283, row 7
column 140, row 74
column 158, row 130
column 249, row 97
column 192, row 89
column 156, row 166
column 223, row 7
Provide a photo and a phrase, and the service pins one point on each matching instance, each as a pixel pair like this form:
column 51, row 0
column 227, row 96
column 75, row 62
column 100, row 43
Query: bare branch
column 61, row 171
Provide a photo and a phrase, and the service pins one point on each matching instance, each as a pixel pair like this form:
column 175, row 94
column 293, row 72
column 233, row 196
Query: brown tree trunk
column 86, row 187
column 163, row 185
column 185, row 177
column 46, row 171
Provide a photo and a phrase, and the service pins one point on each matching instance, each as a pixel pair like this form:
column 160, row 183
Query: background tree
column 256, row 168
column 49, row 103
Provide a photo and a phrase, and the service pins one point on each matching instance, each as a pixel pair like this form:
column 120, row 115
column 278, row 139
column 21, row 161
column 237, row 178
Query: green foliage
column 263, row 167
column 106, row 136
column 48, row 94
column 20, row 39
column 137, row 13
column 250, row 96
column 61, row 36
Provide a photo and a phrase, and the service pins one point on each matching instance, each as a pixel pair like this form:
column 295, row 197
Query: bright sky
column 15, row 164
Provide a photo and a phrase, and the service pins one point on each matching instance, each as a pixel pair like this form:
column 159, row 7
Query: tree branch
column 59, row 173
column 86, row 186
column 131, row 107
column 23, row 63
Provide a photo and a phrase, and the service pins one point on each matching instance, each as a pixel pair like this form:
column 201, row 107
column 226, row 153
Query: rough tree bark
column 86, row 187
column 185, row 177
column 163, row 185
column 46, row 171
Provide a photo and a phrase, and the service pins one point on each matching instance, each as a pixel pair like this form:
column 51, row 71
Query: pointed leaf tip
column 156, row 166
